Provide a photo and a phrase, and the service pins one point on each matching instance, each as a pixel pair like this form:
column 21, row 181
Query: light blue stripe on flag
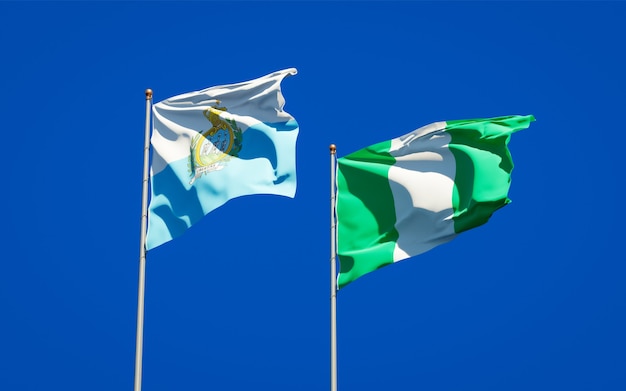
column 266, row 166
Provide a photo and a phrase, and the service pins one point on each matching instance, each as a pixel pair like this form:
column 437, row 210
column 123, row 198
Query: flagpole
column 142, row 246
column 333, row 274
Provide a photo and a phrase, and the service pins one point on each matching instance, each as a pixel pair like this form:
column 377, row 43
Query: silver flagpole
column 142, row 245
column 333, row 274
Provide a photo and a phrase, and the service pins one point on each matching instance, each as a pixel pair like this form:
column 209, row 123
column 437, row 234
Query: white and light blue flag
column 216, row 144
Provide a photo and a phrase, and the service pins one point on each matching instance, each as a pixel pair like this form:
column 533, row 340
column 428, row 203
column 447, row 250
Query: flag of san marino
column 216, row 144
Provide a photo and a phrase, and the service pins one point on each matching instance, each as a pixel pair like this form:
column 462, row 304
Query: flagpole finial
column 148, row 94
column 333, row 149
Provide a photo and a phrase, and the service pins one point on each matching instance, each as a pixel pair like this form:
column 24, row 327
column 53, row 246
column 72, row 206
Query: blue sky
column 533, row 300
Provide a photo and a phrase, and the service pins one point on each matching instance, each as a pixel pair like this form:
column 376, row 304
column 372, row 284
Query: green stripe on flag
column 483, row 167
column 366, row 206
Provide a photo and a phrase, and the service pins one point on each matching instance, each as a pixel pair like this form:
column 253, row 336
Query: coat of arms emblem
column 212, row 149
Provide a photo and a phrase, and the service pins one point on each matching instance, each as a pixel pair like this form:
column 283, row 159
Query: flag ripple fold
column 217, row 144
column 402, row 197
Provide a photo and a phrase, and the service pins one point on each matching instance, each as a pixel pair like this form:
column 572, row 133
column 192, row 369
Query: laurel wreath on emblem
column 211, row 149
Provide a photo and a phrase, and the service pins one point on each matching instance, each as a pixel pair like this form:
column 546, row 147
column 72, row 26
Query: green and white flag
column 402, row 197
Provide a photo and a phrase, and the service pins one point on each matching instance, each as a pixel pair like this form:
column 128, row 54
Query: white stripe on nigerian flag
column 216, row 144
column 400, row 198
